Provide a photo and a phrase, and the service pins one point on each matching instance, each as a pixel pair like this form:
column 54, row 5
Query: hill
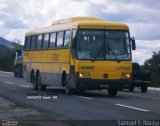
column 4, row 50
column 8, row 46
column 7, row 43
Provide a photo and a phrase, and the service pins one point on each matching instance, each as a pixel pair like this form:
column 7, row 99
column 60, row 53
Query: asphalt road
column 90, row 107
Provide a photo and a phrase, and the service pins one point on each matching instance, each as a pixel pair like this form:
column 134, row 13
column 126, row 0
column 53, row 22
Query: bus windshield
column 103, row 45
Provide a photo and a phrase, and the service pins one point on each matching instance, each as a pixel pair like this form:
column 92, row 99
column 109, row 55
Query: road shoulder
column 153, row 89
column 15, row 115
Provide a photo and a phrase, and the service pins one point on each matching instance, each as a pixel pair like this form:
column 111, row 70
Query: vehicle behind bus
column 18, row 64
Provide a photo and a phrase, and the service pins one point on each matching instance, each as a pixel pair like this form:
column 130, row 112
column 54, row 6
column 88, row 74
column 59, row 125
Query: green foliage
column 7, row 61
column 7, row 54
column 153, row 65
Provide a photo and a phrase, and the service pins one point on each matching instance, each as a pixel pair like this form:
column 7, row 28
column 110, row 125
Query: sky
column 142, row 17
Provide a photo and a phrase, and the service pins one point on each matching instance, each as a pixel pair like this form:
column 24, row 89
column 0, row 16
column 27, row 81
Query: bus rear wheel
column 40, row 86
column 34, row 82
column 15, row 74
column 112, row 92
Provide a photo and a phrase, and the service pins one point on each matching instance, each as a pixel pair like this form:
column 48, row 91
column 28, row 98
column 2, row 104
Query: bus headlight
column 81, row 75
column 126, row 75
column 84, row 75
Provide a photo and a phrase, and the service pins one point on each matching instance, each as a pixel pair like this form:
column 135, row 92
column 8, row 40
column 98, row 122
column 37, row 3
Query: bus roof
column 76, row 19
column 82, row 22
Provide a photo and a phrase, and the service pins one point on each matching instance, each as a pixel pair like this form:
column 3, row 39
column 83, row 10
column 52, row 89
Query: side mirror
column 133, row 43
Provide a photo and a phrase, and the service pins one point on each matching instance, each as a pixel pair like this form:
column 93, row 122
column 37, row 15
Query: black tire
column 79, row 91
column 131, row 88
column 112, row 92
column 34, row 82
column 68, row 90
column 144, row 89
column 20, row 72
column 15, row 74
column 40, row 86
column 121, row 89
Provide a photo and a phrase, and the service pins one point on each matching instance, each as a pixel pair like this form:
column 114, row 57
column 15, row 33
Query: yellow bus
column 79, row 53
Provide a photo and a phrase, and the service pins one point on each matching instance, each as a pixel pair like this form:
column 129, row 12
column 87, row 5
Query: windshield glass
column 103, row 45
column 118, row 45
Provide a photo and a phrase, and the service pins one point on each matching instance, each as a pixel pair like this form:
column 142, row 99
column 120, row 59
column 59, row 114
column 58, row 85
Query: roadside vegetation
column 7, row 58
column 7, row 61
column 153, row 65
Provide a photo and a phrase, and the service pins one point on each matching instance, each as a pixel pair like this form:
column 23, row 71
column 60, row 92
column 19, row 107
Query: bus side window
column 33, row 42
column 28, row 45
column 67, row 38
column 60, row 39
column 52, row 43
column 39, row 41
column 46, row 41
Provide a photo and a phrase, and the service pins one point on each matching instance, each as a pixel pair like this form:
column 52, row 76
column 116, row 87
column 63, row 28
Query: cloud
column 1, row 23
column 145, row 31
column 146, row 3
column 142, row 16
column 145, row 50
column 129, row 12
column 2, row 5
column 29, row 14
column 15, row 24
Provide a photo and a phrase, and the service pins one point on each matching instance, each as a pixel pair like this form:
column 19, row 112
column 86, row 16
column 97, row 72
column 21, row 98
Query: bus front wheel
column 68, row 89
column 112, row 92
column 40, row 86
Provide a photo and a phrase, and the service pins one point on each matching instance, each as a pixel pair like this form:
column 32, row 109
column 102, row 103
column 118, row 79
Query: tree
column 153, row 65
column 6, row 62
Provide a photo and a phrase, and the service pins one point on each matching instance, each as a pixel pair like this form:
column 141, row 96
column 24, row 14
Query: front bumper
column 91, row 84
